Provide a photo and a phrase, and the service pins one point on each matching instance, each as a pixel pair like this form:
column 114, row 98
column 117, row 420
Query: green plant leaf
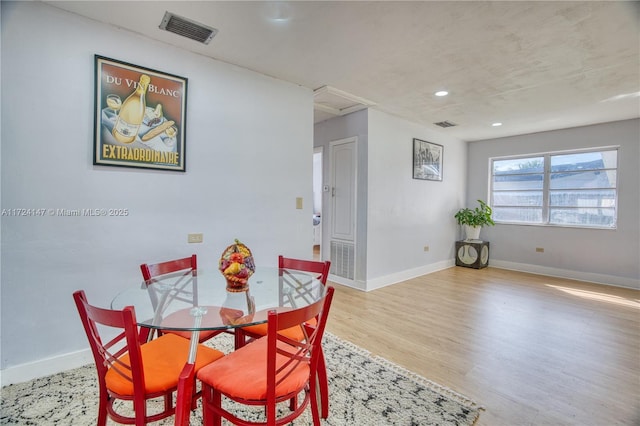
column 480, row 216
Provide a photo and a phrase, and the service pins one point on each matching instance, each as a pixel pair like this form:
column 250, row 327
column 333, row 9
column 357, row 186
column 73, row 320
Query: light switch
column 298, row 202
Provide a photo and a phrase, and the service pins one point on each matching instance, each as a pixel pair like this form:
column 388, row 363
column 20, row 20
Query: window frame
column 547, row 190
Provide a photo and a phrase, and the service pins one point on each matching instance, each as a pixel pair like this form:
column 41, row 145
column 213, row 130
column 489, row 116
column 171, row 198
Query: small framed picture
column 427, row 160
column 140, row 117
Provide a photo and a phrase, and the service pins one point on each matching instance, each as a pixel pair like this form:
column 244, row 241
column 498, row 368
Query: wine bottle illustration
column 132, row 113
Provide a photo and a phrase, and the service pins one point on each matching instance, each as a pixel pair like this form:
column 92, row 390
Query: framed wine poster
column 140, row 117
column 427, row 160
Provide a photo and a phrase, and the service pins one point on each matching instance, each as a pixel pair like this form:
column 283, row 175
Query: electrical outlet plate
column 298, row 202
column 426, row 248
column 539, row 250
column 194, row 238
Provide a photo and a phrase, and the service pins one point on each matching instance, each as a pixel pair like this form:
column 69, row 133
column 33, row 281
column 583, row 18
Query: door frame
column 320, row 150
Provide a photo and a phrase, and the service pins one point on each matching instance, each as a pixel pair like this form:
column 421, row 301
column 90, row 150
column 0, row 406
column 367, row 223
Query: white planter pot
column 472, row 232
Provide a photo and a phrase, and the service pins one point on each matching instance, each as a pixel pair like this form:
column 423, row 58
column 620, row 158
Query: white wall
column 397, row 215
column 406, row 214
column 317, row 181
column 249, row 155
column 603, row 256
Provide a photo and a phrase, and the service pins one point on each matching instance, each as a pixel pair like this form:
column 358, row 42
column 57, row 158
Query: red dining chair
column 130, row 369
column 182, row 273
column 271, row 370
column 296, row 332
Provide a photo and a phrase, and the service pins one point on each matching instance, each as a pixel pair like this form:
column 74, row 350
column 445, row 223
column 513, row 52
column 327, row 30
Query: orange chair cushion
column 163, row 359
column 243, row 374
column 294, row 333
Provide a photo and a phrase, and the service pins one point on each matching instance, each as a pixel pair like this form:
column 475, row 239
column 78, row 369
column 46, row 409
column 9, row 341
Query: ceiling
column 533, row 66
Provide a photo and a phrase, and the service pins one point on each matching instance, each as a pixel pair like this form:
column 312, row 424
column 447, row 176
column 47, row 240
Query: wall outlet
column 194, row 238
column 539, row 250
column 426, row 248
column 299, row 203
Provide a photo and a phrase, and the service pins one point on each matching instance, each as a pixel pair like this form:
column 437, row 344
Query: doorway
column 317, row 203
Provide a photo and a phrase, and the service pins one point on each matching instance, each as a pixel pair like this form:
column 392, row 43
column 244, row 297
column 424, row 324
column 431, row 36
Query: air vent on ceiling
column 445, row 124
column 187, row 28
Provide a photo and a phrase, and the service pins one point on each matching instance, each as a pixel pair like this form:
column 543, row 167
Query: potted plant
column 473, row 220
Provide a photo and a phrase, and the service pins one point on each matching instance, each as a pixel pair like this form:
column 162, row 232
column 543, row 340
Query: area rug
column 364, row 390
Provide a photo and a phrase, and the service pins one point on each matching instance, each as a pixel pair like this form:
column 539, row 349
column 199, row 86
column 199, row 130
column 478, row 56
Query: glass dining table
column 200, row 301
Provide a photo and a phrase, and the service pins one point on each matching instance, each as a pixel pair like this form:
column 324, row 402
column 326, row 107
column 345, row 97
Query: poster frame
column 152, row 147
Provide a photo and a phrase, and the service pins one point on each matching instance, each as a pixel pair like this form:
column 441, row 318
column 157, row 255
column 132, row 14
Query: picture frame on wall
column 140, row 117
column 427, row 160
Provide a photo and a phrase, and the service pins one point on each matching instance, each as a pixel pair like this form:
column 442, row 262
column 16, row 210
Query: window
column 565, row 189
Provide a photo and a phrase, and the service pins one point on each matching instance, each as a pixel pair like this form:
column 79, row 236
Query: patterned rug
column 364, row 390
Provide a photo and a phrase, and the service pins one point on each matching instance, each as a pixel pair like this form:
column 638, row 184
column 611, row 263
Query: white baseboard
column 358, row 285
column 407, row 275
column 522, row 267
column 45, row 367
column 566, row 273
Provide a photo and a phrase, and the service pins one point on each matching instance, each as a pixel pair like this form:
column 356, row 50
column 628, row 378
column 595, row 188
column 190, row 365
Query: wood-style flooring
column 531, row 349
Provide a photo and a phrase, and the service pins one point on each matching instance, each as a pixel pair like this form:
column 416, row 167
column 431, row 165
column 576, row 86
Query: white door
column 343, row 189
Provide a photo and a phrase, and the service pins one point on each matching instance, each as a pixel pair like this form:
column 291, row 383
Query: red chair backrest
column 106, row 354
column 153, row 270
column 185, row 287
column 308, row 351
column 313, row 266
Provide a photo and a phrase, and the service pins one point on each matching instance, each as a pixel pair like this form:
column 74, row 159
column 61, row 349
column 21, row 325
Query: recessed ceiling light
column 497, row 124
column 441, row 93
column 279, row 12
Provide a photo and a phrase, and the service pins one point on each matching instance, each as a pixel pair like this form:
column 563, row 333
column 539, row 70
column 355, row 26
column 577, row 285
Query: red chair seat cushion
column 243, row 374
column 294, row 333
column 164, row 359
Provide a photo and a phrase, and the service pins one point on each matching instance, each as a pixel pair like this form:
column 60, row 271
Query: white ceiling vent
column 187, row 28
column 330, row 102
column 445, row 124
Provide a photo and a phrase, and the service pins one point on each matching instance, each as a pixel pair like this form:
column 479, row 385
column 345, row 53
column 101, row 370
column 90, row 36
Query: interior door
column 343, row 189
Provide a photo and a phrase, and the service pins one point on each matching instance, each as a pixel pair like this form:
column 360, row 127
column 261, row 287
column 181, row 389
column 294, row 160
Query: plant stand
column 472, row 254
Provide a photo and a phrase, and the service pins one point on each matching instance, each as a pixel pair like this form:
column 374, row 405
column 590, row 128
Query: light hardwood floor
column 532, row 350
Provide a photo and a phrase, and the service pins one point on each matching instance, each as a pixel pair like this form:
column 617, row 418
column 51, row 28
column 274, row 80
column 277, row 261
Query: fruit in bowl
column 236, row 264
